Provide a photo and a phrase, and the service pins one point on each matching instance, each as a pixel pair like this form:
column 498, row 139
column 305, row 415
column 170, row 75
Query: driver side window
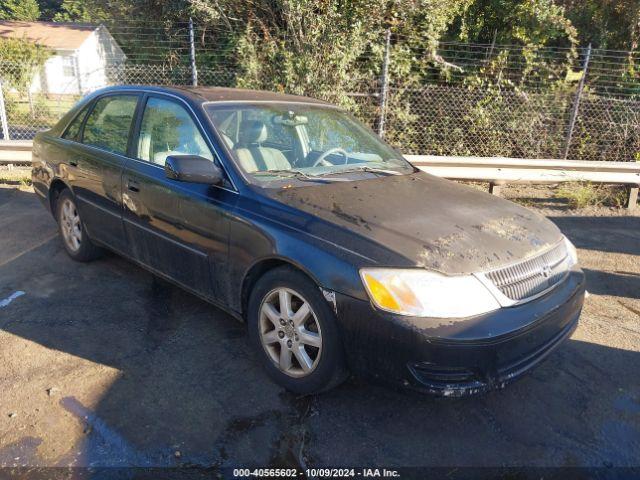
column 167, row 129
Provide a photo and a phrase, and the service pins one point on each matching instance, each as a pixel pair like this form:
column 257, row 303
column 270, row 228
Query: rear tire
column 294, row 331
column 74, row 235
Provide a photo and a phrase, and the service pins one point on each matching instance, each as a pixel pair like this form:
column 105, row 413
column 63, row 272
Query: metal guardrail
column 15, row 152
column 497, row 171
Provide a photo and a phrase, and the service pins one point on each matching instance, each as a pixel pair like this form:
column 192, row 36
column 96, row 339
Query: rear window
column 109, row 123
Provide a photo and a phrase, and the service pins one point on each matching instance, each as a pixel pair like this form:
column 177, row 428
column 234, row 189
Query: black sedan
column 292, row 216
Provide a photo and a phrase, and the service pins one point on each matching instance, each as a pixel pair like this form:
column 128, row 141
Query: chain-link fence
column 471, row 100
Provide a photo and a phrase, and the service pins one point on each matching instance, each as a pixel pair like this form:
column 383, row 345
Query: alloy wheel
column 290, row 332
column 70, row 225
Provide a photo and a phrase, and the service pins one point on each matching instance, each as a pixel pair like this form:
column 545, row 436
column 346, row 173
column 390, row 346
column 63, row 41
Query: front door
column 177, row 228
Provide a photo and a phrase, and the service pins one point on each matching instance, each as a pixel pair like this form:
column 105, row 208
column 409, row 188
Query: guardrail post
column 576, row 103
column 384, row 80
column 495, row 188
column 632, row 200
column 192, row 52
column 3, row 116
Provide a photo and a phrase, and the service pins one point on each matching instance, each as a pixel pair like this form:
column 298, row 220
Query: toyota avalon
column 292, row 216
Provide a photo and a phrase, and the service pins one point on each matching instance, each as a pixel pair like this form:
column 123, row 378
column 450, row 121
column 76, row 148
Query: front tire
column 74, row 235
column 294, row 332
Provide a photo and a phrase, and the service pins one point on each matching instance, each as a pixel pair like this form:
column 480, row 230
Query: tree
column 322, row 47
column 612, row 24
column 49, row 8
column 23, row 10
column 520, row 22
column 87, row 11
column 20, row 60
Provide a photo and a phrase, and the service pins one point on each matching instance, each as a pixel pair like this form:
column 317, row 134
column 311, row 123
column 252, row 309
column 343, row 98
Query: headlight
column 571, row 250
column 427, row 294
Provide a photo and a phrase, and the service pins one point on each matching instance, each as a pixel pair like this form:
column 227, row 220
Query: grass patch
column 16, row 176
column 21, row 181
column 587, row 194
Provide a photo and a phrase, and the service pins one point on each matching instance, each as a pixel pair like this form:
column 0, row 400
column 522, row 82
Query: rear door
column 176, row 228
column 96, row 160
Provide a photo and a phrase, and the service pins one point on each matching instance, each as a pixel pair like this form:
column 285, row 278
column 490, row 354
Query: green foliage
column 612, row 24
column 20, row 59
column 22, row 10
column 520, row 22
column 586, row 194
column 49, row 8
column 22, row 179
column 92, row 11
column 606, row 23
column 314, row 52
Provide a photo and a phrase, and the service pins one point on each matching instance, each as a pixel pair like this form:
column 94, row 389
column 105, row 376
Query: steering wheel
column 331, row 151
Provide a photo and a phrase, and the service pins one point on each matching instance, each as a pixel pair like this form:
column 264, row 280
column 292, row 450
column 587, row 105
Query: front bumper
column 461, row 357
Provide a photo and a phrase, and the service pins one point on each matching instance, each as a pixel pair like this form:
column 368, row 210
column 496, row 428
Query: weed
column 20, row 181
column 585, row 194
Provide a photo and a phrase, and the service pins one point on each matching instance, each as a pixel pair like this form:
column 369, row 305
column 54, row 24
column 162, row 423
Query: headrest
column 252, row 131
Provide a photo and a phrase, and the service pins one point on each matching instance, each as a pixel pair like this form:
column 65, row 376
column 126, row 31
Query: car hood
column 424, row 221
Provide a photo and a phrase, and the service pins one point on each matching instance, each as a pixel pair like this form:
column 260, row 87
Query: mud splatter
column 436, row 253
column 354, row 219
column 504, row 227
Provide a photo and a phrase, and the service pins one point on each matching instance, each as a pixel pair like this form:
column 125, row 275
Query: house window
column 68, row 66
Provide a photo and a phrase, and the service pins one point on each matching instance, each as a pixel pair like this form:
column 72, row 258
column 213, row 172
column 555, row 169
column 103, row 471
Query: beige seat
column 252, row 155
column 146, row 148
column 227, row 139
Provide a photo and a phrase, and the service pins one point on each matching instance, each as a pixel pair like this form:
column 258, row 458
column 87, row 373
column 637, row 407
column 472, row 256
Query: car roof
column 222, row 94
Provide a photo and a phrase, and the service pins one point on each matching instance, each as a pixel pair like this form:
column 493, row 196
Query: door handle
column 133, row 185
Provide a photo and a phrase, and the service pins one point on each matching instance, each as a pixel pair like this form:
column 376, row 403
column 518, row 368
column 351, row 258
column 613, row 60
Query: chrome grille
column 532, row 276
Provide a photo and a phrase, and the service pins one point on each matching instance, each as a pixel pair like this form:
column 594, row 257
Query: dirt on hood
column 427, row 221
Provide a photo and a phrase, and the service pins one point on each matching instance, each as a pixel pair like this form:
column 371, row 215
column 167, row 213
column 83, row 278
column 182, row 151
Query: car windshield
column 279, row 141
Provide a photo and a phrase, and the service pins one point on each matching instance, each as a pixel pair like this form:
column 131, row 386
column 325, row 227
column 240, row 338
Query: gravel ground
column 102, row 365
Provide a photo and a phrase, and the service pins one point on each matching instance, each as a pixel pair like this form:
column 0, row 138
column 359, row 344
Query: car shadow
column 614, row 234
column 190, row 392
column 548, row 203
column 619, row 284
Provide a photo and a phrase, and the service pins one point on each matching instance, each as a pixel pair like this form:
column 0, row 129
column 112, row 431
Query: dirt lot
column 100, row 365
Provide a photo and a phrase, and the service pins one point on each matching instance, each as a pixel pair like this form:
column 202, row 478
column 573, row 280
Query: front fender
column 256, row 240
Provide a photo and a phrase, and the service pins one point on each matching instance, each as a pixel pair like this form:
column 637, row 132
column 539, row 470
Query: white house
column 83, row 55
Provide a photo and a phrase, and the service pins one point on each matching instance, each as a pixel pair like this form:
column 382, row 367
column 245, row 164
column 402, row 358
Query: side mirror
column 192, row 168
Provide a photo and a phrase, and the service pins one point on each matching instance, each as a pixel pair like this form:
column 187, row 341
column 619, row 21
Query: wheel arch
column 261, row 267
column 55, row 189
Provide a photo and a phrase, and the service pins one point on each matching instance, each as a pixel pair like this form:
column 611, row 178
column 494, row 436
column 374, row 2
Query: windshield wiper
column 299, row 174
column 364, row 168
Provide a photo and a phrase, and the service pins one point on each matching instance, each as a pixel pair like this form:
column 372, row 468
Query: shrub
column 20, row 59
column 585, row 194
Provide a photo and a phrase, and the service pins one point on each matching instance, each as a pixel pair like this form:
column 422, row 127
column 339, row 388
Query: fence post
column 384, row 84
column 192, row 51
column 3, row 116
column 576, row 103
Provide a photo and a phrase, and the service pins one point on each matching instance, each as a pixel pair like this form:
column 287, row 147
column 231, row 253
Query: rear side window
column 73, row 130
column 109, row 123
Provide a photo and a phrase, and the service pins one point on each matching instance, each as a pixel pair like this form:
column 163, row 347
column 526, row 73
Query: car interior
column 263, row 139
column 251, row 152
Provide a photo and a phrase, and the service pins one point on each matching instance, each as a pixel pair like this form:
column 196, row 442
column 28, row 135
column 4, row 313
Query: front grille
column 532, row 276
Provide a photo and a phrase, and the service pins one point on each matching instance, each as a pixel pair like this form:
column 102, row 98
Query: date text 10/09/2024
column 315, row 473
